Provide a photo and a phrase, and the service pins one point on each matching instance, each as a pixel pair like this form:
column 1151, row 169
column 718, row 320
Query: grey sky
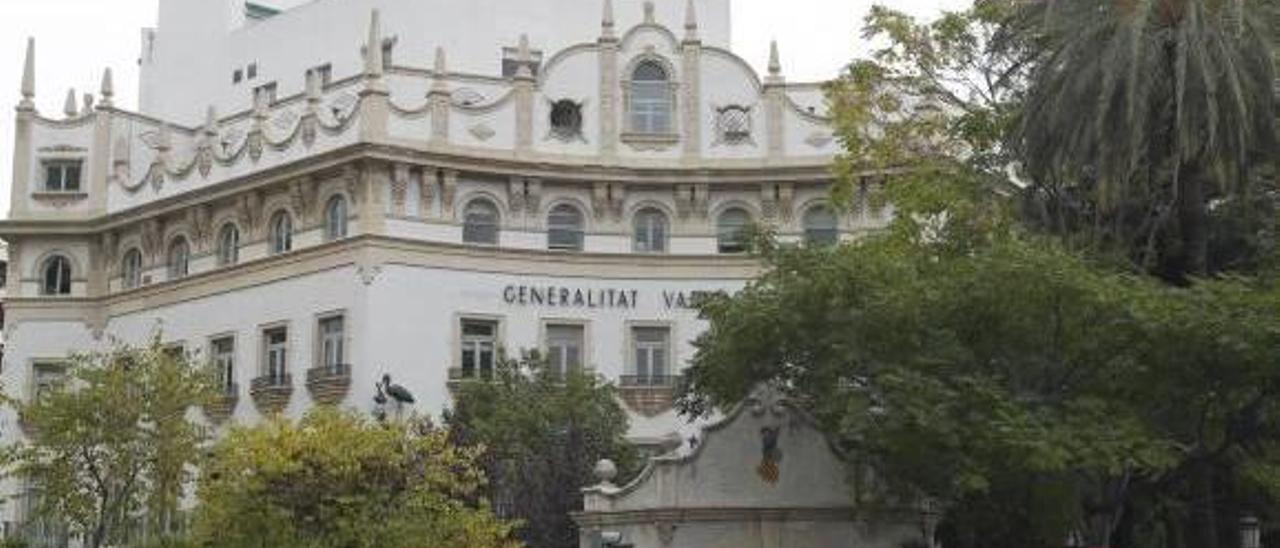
column 76, row 39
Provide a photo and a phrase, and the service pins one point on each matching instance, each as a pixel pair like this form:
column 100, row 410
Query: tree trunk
column 1193, row 225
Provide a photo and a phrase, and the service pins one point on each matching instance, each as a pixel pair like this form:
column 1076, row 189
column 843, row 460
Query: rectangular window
column 479, row 342
column 223, row 353
column 565, row 344
column 237, row 76
column 276, row 358
column 651, row 350
column 253, row 71
column 62, row 176
column 46, row 376
column 333, row 345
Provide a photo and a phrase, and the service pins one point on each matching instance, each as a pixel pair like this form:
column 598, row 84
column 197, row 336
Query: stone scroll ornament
column 771, row 461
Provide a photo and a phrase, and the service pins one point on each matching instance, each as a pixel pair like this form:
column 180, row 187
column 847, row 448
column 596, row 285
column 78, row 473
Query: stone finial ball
column 606, row 470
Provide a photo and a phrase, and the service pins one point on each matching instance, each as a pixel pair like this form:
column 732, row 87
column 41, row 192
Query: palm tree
column 1143, row 114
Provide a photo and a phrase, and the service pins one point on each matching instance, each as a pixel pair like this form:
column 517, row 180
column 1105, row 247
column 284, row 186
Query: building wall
column 408, row 148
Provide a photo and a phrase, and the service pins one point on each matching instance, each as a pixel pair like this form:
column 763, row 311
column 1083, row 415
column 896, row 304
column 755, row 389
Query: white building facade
column 314, row 197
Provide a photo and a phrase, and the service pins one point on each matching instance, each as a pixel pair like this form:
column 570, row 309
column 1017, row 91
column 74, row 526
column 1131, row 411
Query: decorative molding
column 448, row 192
column 482, row 132
column 400, row 176
column 819, row 139
column 651, row 142
column 59, row 200
column 608, row 199
column 693, row 200
column 777, row 201
column 368, row 274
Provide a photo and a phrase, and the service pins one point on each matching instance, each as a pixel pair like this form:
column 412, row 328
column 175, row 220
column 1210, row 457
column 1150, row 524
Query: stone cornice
column 376, row 251
column 485, row 163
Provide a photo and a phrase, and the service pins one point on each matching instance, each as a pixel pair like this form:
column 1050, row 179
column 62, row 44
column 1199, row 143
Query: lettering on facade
column 575, row 297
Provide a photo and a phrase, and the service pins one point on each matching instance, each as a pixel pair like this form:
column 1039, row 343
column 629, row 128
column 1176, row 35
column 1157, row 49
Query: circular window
column 566, row 119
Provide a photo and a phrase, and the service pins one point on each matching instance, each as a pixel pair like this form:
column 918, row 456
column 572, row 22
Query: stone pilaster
column 525, row 84
column 609, row 86
column 774, row 101
column 374, row 101
column 691, row 100
column 440, row 99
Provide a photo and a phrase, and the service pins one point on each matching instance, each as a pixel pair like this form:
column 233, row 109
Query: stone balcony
column 329, row 384
column 222, row 405
column 649, row 395
column 271, row 393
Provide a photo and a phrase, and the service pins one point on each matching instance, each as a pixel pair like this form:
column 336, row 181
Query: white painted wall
column 198, row 43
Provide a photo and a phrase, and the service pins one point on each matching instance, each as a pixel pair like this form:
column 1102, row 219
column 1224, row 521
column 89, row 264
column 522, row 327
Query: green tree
column 1143, row 118
column 114, row 442
column 1030, row 392
column 337, row 479
column 542, row 434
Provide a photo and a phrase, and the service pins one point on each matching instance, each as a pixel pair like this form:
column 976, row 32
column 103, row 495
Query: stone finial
column 649, row 17
column 313, row 87
column 524, row 54
column 606, row 21
column 373, row 48
column 211, row 122
column 441, row 63
column 69, row 108
column 88, row 104
column 260, row 106
column 775, row 60
column 29, row 77
column 690, row 21
column 606, row 471
column 108, row 90
column 525, row 57
column 440, row 71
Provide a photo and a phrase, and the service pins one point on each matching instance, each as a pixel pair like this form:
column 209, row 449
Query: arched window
column 480, row 222
column 57, row 276
column 731, row 230
column 650, row 231
column 651, row 99
column 335, row 219
column 564, row 228
column 228, row 245
column 281, row 233
column 821, row 226
column 179, row 258
column 131, row 269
